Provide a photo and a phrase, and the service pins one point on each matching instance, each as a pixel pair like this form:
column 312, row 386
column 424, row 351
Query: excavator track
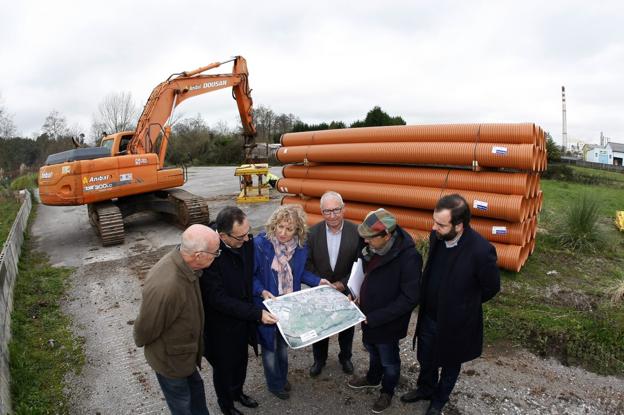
column 108, row 222
column 191, row 209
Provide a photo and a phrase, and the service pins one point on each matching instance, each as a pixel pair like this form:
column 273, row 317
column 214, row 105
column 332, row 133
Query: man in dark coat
column 459, row 276
column 332, row 250
column 231, row 316
column 388, row 295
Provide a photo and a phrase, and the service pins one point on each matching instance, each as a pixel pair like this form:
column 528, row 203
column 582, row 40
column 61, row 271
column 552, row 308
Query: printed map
column 308, row 316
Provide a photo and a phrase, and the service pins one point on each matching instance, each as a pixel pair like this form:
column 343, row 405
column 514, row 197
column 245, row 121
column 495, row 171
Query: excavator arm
column 152, row 132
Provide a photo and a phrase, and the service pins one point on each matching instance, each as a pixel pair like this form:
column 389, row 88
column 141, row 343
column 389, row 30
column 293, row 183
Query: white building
column 611, row 153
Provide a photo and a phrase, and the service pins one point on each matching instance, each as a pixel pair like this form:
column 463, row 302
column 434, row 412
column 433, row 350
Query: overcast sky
column 427, row 61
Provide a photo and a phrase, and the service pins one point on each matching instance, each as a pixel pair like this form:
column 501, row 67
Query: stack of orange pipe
column 375, row 167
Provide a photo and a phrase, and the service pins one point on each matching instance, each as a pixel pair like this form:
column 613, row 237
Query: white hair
column 331, row 195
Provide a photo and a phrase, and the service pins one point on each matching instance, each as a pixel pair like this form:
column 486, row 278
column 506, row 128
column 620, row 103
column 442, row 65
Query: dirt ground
column 104, row 298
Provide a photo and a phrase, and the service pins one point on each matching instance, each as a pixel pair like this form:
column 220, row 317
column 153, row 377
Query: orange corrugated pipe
column 512, row 208
column 492, row 230
column 513, row 156
column 483, row 181
column 525, row 133
column 509, row 256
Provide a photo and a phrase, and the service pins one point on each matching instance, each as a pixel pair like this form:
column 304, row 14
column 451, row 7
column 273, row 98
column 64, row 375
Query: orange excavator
column 127, row 173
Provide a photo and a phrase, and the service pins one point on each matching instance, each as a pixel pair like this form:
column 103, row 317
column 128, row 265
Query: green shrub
column 578, row 229
column 559, row 172
column 27, row 181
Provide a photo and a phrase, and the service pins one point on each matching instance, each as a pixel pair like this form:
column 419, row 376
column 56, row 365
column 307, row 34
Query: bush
column 27, row 181
column 579, row 226
column 559, row 172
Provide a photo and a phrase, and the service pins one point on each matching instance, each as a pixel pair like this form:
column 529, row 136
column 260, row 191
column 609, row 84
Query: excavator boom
column 127, row 173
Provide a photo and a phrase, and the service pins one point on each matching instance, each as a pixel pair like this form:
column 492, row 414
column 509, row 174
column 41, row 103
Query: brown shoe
column 362, row 382
column 382, row 403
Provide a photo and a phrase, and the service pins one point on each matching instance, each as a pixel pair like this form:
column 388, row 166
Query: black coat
column 318, row 257
column 226, row 286
column 390, row 291
column 473, row 279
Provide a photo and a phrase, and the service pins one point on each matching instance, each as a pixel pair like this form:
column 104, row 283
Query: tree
column 7, row 126
column 264, row 117
column 117, row 112
column 377, row 118
column 55, row 126
column 553, row 151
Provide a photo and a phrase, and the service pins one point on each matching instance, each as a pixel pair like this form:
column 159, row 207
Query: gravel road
column 104, row 298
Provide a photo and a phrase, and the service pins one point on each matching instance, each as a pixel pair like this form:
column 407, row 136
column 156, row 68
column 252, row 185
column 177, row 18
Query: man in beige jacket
column 171, row 320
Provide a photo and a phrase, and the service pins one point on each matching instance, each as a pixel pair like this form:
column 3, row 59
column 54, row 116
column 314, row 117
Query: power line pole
column 564, row 132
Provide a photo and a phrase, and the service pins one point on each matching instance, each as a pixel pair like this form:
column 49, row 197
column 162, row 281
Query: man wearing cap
column 460, row 275
column 332, row 249
column 388, row 294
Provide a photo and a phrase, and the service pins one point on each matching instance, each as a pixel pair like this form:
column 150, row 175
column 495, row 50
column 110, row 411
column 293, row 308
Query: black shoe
column 230, row 411
column 347, row 366
column 283, row 395
column 433, row 411
column 247, row 401
column 287, row 386
column 415, row 395
column 316, row 368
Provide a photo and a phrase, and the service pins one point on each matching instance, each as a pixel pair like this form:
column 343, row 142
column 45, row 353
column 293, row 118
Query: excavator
column 127, row 173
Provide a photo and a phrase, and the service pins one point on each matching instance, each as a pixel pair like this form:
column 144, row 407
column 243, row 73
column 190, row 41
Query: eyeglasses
column 335, row 211
column 240, row 238
column 214, row 254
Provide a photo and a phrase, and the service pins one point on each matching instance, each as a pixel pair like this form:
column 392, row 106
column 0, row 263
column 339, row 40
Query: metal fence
column 589, row 164
column 9, row 259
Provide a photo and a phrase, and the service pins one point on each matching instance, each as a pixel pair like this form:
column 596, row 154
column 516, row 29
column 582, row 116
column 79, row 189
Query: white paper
column 356, row 278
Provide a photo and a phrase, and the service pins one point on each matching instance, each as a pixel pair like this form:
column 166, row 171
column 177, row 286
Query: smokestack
column 564, row 131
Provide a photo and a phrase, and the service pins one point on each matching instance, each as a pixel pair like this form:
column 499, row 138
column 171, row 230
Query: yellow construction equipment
column 250, row 193
column 619, row 220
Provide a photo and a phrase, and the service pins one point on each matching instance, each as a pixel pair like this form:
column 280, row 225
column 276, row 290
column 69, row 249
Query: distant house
column 611, row 153
column 617, row 150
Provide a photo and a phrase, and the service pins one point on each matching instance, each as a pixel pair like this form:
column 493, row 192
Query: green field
column 560, row 304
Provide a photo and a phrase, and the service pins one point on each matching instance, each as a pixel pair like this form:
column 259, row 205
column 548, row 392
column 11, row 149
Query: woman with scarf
column 279, row 268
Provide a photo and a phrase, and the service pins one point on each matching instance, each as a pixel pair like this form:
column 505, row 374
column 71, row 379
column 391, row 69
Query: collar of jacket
column 402, row 242
column 185, row 271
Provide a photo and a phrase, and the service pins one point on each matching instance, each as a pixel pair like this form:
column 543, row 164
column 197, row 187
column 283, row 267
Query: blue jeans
column 275, row 363
column 184, row 396
column 430, row 381
column 384, row 365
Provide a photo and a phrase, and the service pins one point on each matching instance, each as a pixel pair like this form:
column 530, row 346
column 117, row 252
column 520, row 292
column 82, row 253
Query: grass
column 43, row 349
column 561, row 303
column 8, row 210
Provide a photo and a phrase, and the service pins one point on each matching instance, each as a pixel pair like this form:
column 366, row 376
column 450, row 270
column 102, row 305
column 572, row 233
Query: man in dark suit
column 459, row 276
column 332, row 250
column 230, row 314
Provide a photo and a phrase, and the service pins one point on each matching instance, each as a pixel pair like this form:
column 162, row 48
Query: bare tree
column 55, row 125
column 265, row 119
column 117, row 112
column 7, row 126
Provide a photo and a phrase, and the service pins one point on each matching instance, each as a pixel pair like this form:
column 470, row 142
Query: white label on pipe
column 499, row 230
column 479, row 204
column 286, row 150
column 501, row 151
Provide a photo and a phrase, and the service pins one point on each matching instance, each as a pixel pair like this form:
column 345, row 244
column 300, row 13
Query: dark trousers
column 184, row 396
column 229, row 367
column 430, row 380
column 345, row 340
column 384, row 365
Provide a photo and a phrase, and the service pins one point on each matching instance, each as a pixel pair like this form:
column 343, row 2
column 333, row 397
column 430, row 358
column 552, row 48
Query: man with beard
column 460, row 275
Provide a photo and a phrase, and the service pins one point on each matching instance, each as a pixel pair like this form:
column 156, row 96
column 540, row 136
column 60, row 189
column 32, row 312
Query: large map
column 308, row 316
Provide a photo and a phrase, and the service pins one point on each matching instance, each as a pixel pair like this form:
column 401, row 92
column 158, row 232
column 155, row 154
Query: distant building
column 611, row 153
column 617, row 150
